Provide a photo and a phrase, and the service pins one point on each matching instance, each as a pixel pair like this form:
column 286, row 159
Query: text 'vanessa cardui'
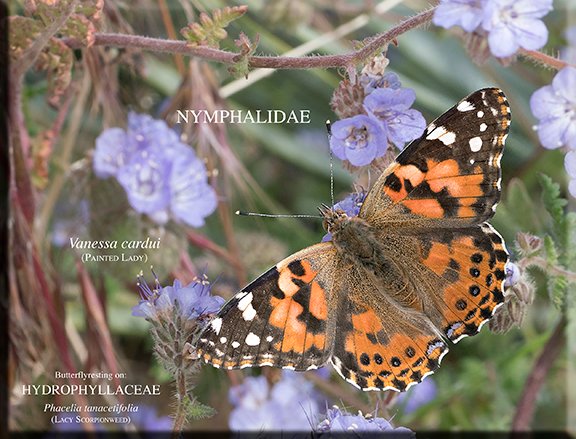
column 418, row 266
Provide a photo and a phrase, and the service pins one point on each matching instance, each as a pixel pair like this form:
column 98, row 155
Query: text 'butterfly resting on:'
column 417, row 267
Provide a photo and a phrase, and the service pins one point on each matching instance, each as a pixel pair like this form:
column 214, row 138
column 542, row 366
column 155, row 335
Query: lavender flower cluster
column 554, row 106
column 193, row 300
column 507, row 24
column 387, row 118
column 162, row 177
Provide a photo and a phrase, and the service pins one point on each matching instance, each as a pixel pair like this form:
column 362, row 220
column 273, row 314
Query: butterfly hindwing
column 469, row 268
column 281, row 319
column 382, row 345
column 450, row 176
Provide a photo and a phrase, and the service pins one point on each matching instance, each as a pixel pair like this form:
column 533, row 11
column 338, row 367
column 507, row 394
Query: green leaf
column 197, row 410
column 211, row 29
column 557, row 289
column 555, row 206
column 550, row 251
column 241, row 66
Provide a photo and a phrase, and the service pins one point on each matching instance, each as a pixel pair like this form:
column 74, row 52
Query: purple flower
column 287, row 406
column 392, row 108
column 193, row 300
column 570, row 165
column 555, row 107
column 512, row 24
column 358, row 139
column 338, row 421
column 418, row 395
column 145, row 180
column 350, row 205
column 162, row 177
column 464, row 13
column 371, row 81
column 192, row 198
column 508, row 24
column 111, row 153
column 512, row 274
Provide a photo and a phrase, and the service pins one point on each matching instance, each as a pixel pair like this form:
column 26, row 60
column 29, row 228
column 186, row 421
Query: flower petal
column 464, row 13
column 502, row 42
column 109, row 154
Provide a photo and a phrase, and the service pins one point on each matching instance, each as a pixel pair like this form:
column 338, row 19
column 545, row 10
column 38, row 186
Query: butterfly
column 418, row 267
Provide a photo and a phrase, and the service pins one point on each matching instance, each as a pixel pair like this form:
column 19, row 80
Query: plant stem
column 543, row 59
column 540, row 370
column 277, row 62
column 180, row 417
column 548, row 268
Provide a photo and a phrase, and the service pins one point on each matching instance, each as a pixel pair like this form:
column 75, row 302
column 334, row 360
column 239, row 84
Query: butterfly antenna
column 273, row 215
column 329, row 129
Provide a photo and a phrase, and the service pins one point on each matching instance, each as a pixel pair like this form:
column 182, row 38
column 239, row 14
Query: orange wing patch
column 372, row 359
column 464, row 188
column 289, row 314
column 473, row 272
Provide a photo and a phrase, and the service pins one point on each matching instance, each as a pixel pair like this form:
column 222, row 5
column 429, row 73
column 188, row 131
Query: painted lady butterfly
column 418, row 266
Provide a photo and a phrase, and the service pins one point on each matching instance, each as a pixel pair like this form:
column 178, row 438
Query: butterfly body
column 417, row 267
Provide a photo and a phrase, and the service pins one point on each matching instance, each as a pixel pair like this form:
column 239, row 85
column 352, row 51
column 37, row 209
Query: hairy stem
column 277, row 62
column 548, row 268
column 543, row 59
column 540, row 370
column 180, row 417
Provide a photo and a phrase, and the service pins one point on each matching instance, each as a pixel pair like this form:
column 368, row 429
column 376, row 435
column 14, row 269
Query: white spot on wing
column 269, row 338
column 252, row 339
column 245, row 305
column 245, row 301
column 223, row 340
column 480, row 114
column 436, row 133
column 216, row 325
column 475, row 144
column 483, row 127
column 249, row 313
column 465, row 106
column 235, row 344
column 440, row 133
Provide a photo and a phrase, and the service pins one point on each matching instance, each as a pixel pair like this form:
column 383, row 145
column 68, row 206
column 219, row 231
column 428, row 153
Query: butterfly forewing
column 450, row 176
column 281, row 319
